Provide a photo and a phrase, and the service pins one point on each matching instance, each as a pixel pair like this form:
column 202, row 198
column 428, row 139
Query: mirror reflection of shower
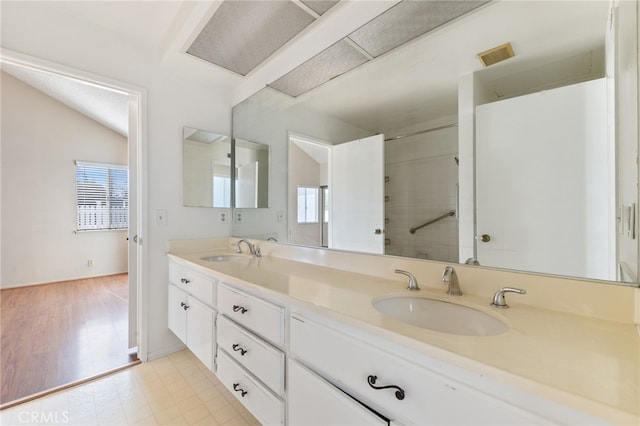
column 421, row 171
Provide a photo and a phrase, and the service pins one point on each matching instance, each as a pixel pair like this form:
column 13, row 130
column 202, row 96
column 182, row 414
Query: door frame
column 139, row 138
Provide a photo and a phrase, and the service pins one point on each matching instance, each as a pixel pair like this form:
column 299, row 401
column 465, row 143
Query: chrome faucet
column 498, row 298
column 252, row 248
column 413, row 282
column 450, row 277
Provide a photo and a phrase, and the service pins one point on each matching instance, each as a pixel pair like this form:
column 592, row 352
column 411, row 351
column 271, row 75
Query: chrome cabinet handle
column 238, row 308
column 184, row 306
column 236, row 347
column 399, row 392
column 184, row 281
column 237, row 388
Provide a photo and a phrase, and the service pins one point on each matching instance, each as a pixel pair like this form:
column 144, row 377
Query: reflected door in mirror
column 543, row 176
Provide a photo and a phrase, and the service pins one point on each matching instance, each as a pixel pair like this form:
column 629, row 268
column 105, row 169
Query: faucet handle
column 413, row 282
column 498, row 298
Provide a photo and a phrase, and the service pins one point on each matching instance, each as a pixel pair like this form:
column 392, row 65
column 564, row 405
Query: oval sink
column 441, row 316
column 224, row 258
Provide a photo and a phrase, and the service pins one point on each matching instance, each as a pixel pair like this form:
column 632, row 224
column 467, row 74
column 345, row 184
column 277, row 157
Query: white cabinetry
column 191, row 316
column 397, row 389
column 314, row 401
column 250, row 360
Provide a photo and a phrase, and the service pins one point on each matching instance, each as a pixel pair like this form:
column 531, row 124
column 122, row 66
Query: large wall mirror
column 206, row 169
column 404, row 160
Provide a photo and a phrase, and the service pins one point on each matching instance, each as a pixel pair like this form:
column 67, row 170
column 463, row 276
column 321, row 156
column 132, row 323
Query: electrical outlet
column 238, row 217
column 90, row 263
column 224, row 216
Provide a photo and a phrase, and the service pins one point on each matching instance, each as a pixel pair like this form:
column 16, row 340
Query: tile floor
column 175, row 390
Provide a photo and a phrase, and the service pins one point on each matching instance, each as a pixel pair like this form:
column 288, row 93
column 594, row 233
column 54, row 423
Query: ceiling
column 107, row 107
column 432, row 63
column 419, row 81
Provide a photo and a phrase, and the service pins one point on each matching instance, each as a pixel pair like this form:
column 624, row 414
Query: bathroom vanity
column 301, row 343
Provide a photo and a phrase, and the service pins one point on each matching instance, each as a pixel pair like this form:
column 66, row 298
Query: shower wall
column 422, row 175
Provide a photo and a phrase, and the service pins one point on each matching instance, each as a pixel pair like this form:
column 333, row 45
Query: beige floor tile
column 225, row 414
column 236, row 421
column 196, row 414
column 175, row 390
column 167, row 414
column 216, row 404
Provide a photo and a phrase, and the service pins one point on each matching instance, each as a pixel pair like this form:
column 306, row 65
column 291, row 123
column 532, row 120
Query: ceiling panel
column 328, row 64
column 242, row 34
column 406, row 21
column 319, row 6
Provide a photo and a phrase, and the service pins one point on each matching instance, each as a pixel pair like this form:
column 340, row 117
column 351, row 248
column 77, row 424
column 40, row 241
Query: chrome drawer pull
column 184, row 281
column 236, row 347
column 184, row 306
column 237, row 388
column 237, row 308
column 399, row 392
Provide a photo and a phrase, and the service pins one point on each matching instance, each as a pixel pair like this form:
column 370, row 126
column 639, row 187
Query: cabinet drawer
column 313, row 401
column 261, row 317
column 193, row 283
column 425, row 398
column 257, row 356
column 266, row 407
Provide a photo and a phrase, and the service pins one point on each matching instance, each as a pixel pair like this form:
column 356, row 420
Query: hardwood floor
column 60, row 333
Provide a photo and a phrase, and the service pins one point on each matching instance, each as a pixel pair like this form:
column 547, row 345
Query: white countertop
column 589, row 364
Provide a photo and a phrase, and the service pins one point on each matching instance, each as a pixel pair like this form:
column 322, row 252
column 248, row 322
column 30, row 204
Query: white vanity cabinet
column 314, row 401
column 191, row 315
column 250, row 359
column 399, row 390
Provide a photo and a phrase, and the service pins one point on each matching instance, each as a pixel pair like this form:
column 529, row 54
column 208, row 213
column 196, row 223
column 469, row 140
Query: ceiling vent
column 497, row 54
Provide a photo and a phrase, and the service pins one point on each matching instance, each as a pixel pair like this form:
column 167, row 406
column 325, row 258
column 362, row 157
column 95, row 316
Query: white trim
column 103, row 165
column 140, row 95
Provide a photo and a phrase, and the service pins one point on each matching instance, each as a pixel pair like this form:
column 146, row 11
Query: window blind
column 102, row 196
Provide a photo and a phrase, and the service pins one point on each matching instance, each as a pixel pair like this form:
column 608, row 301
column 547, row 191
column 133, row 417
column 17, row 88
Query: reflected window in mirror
column 308, row 204
column 206, row 169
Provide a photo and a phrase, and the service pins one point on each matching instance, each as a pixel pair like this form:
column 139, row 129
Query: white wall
column 41, row 138
column 180, row 92
column 303, row 171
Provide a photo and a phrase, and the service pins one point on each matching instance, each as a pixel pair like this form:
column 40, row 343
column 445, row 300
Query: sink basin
column 224, row 258
column 441, row 316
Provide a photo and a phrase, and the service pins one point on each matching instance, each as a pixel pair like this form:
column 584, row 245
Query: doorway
column 122, row 287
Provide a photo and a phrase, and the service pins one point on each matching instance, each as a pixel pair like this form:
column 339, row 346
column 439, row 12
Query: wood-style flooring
column 60, row 333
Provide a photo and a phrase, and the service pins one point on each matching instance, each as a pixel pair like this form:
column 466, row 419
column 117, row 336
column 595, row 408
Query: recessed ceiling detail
column 242, row 34
column 407, row 20
column 400, row 24
column 328, row 64
column 319, row 6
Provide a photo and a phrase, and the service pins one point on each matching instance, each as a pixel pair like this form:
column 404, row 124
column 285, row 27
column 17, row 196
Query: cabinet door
column 177, row 313
column 200, row 331
column 313, row 401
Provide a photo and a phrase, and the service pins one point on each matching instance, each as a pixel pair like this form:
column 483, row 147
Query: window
column 221, row 191
column 307, row 204
column 102, row 196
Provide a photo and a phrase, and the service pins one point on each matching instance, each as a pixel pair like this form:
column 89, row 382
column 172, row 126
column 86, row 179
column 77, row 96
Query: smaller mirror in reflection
column 252, row 174
column 206, row 175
